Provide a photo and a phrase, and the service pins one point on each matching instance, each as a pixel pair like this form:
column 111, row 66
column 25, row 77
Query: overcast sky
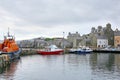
column 50, row 18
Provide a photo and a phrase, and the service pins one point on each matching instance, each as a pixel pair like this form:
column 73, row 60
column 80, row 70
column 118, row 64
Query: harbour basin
column 95, row 66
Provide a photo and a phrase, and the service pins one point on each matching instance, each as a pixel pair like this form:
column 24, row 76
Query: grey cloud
column 52, row 12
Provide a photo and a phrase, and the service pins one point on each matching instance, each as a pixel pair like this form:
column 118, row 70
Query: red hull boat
column 51, row 50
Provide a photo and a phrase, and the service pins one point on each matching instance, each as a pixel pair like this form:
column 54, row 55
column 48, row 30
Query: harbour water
column 95, row 66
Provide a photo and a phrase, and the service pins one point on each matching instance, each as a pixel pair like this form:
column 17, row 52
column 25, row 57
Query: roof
column 101, row 37
column 116, row 33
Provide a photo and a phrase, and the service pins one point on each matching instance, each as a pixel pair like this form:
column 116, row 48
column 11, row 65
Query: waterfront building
column 85, row 40
column 109, row 33
column 100, row 37
column 102, row 42
column 33, row 43
column 117, row 38
column 26, row 43
column 102, row 34
column 74, row 38
column 40, row 42
column 61, row 42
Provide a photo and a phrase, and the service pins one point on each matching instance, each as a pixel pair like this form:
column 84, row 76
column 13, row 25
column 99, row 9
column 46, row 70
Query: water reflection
column 9, row 71
column 102, row 61
column 105, row 66
column 77, row 60
column 96, row 66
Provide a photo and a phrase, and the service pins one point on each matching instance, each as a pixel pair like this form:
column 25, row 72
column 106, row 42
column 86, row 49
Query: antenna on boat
column 4, row 36
column 14, row 36
column 8, row 32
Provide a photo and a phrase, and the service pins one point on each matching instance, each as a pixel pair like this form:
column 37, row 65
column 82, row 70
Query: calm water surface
column 94, row 66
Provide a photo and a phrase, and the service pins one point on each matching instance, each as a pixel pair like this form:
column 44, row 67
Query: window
column 98, row 45
column 117, row 41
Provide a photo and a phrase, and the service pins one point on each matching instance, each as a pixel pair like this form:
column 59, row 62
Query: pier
column 4, row 60
column 106, row 51
column 28, row 51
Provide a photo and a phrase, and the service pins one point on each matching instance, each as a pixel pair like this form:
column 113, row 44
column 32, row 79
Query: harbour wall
column 4, row 61
column 28, row 51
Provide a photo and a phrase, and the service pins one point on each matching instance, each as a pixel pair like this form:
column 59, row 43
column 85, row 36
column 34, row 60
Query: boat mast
column 63, row 40
column 8, row 32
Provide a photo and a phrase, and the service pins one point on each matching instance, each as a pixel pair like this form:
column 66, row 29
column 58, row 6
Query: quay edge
column 106, row 51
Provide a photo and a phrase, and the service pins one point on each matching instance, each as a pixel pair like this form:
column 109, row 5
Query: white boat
column 84, row 50
column 72, row 50
column 81, row 50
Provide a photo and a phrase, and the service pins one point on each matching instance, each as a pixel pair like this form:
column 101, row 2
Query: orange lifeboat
column 9, row 46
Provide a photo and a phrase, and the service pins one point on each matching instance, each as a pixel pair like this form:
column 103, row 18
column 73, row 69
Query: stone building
column 117, row 38
column 33, row 43
column 26, row 43
column 60, row 42
column 109, row 33
column 85, row 40
column 40, row 42
column 98, row 40
column 102, row 42
column 74, row 38
column 102, row 33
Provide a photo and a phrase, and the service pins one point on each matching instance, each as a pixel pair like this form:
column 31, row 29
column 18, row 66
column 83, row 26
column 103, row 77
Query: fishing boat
column 9, row 47
column 51, row 50
column 84, row 50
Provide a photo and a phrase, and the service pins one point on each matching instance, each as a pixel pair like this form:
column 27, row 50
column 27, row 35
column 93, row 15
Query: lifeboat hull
column 50, row 52
column 13, row 55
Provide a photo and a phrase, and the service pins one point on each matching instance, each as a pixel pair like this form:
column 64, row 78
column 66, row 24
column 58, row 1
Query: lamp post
column 64, row 42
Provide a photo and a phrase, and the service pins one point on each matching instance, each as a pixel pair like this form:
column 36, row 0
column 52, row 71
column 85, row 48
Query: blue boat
column 81, row 50
column 84, row 50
